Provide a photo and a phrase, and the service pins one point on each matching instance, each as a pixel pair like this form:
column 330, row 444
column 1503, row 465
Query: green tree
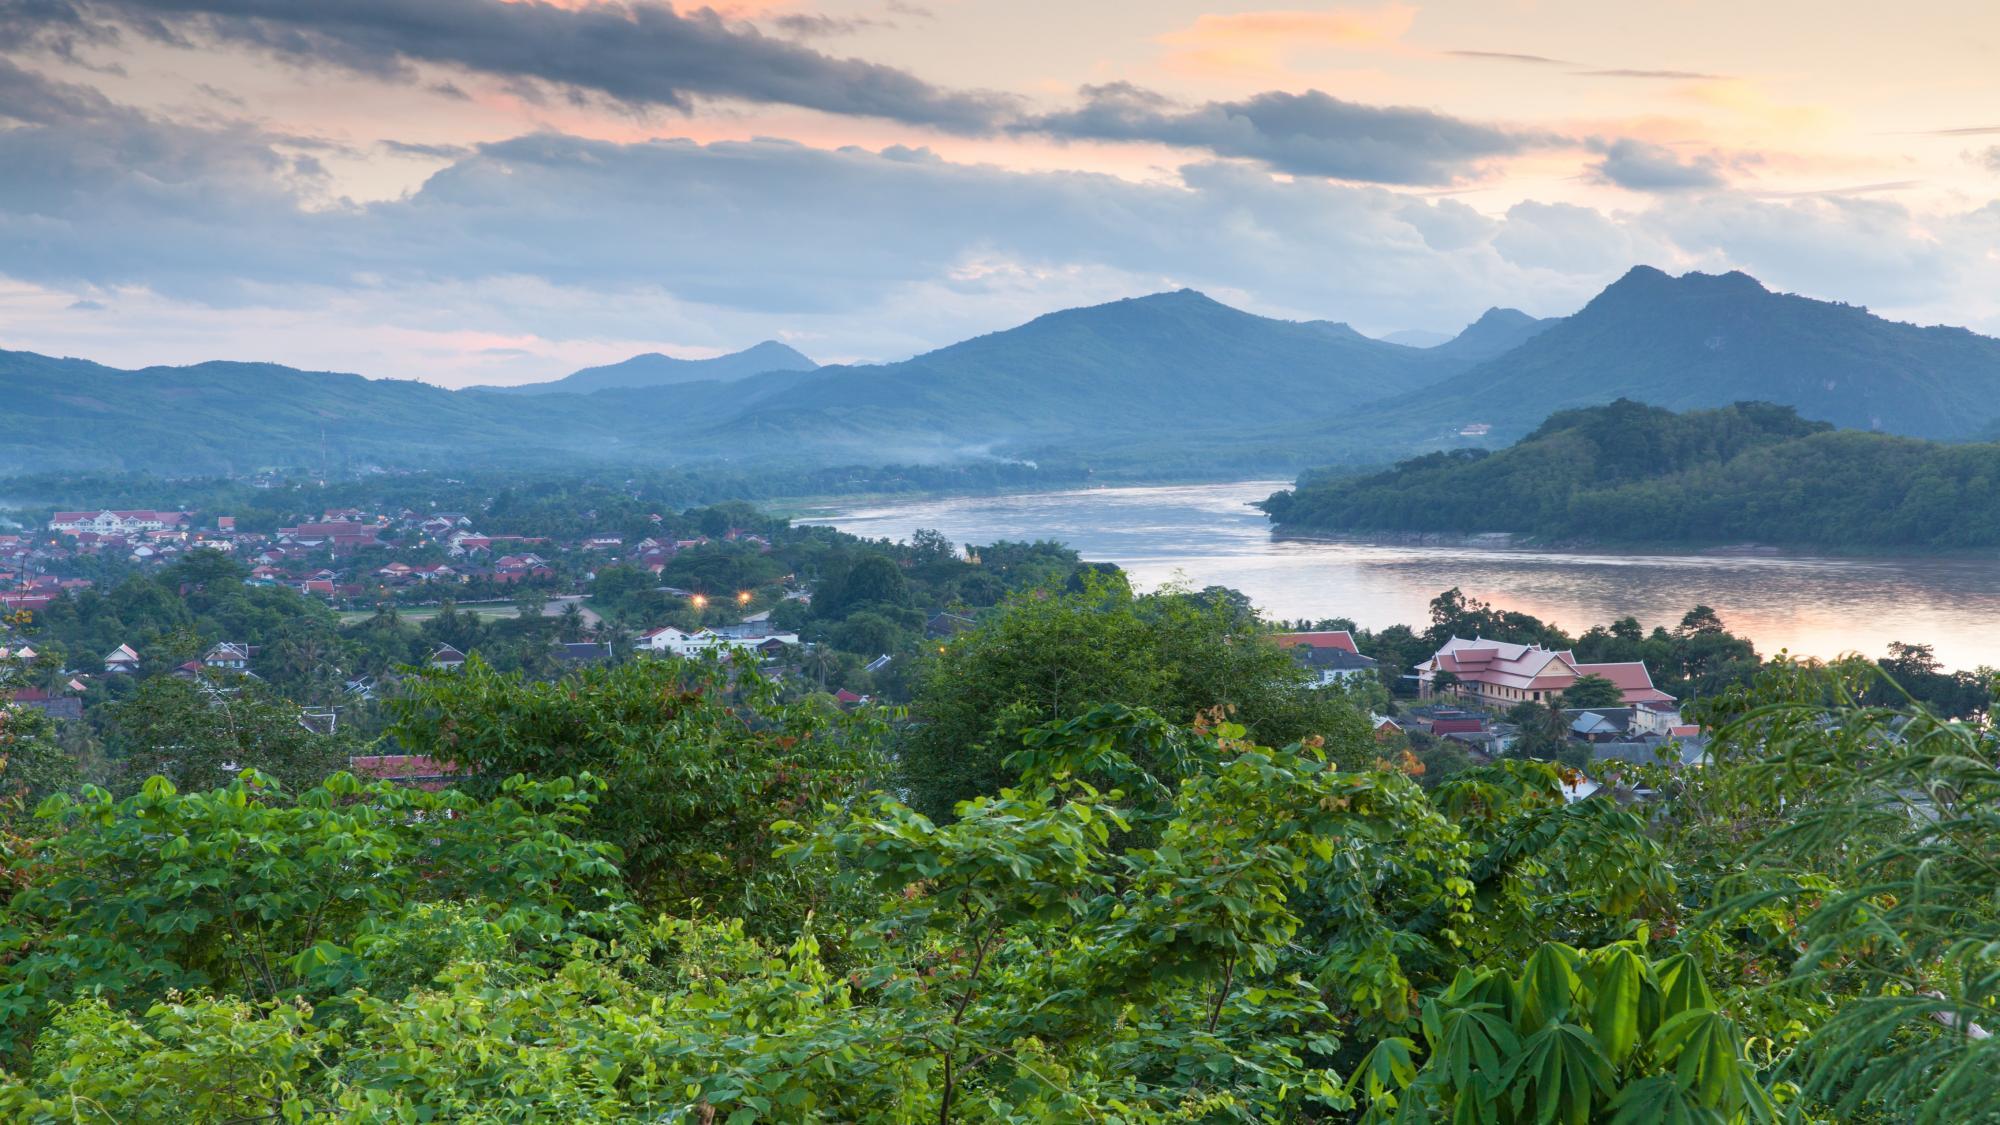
column 1592, row 691
column 248, row 891
column 33, row 764
column 1608, row 1034
column 201, row 732
column 1048, row 657
column 692, row 790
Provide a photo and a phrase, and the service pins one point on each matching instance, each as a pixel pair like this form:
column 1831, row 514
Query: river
column 1209, row 535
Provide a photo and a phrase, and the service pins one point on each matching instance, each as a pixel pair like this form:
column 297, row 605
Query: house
column 1385, row 728
column 121, row 661
column 1331, row 655
column 1500, row 674
column 602, row 543
column 880, row 663
column 1606, row 724
column 1650, row 752
column 679, row 642
column 1324, row 638
column 229, row 657
column 340, row 536
column 727, row 638
column 577, row 654
column 54, row 706
column 448, row 658
column 322, row 722
column 519, row 568
column 944, row 626
column 117, row 523
column 417, row 771
column 1465, row 724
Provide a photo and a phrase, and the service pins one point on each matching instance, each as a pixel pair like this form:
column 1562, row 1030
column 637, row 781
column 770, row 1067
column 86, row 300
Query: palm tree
column 615, row 633
column 570, row 624
column 818, row 661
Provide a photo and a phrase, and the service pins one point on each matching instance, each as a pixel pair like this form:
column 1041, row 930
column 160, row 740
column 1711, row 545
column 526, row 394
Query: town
column 352, row 599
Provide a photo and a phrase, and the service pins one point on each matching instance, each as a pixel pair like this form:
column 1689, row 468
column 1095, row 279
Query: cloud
column 812, row 24
column 1970, row 131
column 1509, row 56
column 29, row 98
column 1640, row 166
column 1692, row 75
column 643, row 54
column 408, row 148
column 84, row 304
column 1607, row 72
column 1828, row 193
column 1311, row 134
column 219, row 239
column 1991, row 158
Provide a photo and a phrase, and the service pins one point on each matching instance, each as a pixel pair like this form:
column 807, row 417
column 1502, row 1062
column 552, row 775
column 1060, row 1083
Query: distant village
column 356, row 560
column 1466, row 689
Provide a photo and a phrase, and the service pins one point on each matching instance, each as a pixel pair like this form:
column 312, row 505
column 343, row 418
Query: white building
column 108, row 522
column 679, row 642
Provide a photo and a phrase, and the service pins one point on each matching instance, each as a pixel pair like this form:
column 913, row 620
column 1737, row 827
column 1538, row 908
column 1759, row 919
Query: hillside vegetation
column 670, row 892
column 1168, row 385
column 1633, row 473
column 656, row 370
column 1142, row 370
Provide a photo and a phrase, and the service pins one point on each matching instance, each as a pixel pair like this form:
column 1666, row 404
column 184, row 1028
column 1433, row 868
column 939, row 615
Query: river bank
column 1809, row 604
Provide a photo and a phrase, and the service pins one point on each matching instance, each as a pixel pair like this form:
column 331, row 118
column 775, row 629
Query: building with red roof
column 1499, row 674
column 1326, row 638
column 417, row 771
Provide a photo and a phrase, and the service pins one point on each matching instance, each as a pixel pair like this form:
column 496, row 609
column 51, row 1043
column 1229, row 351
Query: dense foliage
column 1751, row 472
column 664, row 891
column 1055, row 656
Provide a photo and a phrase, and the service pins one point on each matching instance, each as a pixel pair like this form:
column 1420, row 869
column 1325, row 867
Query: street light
column 699, row 601
column 743, row 597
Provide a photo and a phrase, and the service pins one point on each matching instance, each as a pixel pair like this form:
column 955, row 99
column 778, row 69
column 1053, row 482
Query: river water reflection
column 1208, row 535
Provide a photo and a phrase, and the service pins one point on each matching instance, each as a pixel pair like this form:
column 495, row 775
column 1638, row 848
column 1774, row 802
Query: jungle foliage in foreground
column 1751, row 472
column 666, row 895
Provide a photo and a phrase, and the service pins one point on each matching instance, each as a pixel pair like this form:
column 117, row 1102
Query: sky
column 491, row 191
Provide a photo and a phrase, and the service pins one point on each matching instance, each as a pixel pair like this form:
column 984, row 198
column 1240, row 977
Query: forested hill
column 1170, row 384
column 1626, row 472
column 1706, row 340
column 1162, row 366
column 656, row 370
column 1158, row 370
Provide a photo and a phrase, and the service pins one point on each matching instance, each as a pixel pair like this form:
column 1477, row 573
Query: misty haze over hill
column 1169, row 384
column 656, row 370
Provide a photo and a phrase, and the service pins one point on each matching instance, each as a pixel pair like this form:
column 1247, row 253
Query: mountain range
column 1169, row 384
column 655, row 370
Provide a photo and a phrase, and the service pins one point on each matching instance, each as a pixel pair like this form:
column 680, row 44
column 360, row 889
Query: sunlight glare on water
column 1209, row 535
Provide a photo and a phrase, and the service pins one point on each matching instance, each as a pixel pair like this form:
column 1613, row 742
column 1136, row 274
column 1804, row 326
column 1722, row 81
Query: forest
column 1627, row 473
column 1106, row 863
